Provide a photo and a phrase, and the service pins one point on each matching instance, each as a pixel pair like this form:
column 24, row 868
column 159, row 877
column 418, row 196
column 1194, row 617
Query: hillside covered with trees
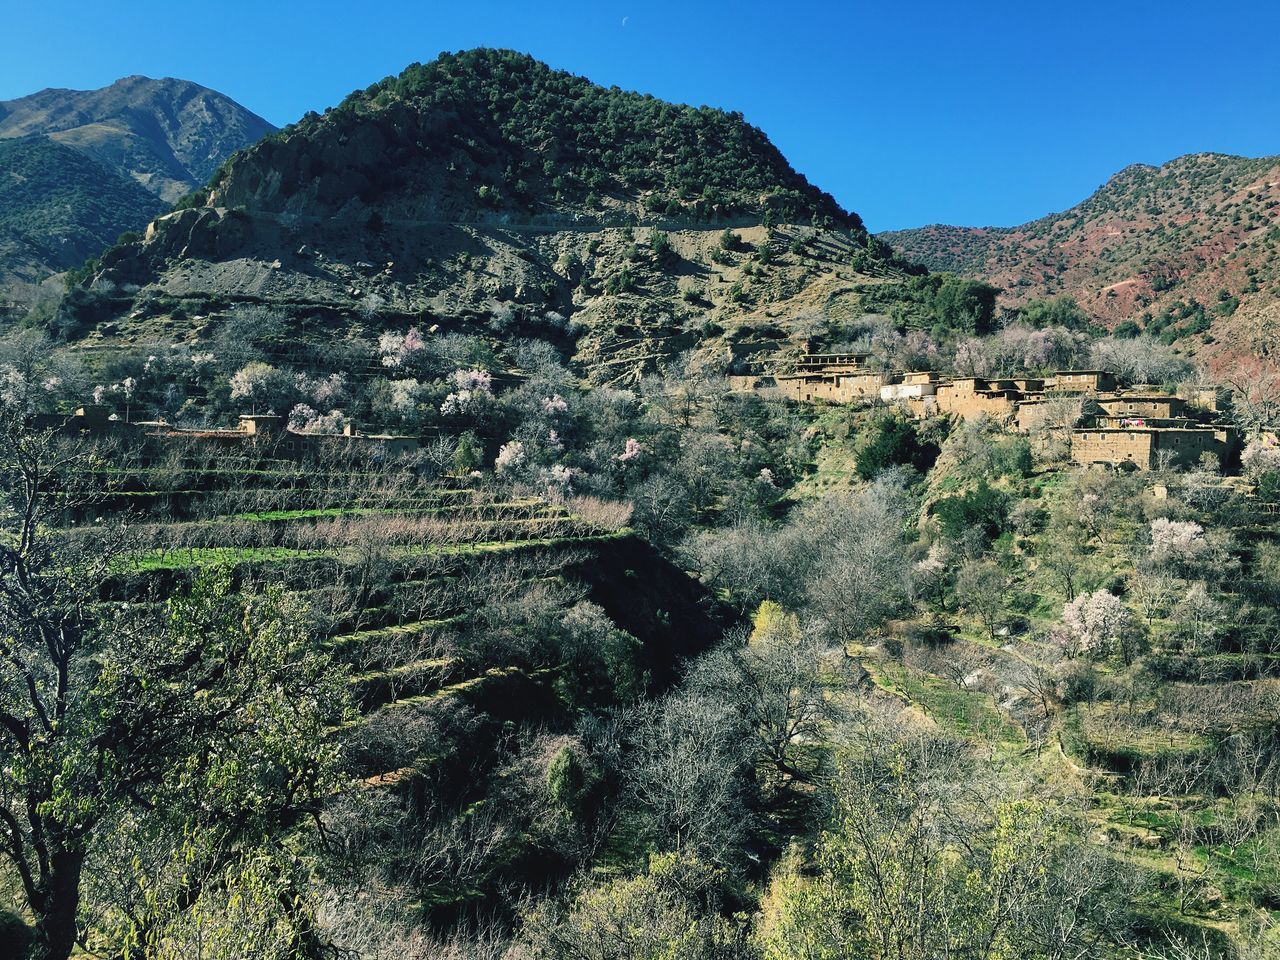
column 58, row 208
column 398, row 562
column 495, row 130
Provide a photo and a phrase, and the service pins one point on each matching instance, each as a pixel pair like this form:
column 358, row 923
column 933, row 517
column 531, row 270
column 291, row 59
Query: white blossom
column 1095, row 620
column 511, row 457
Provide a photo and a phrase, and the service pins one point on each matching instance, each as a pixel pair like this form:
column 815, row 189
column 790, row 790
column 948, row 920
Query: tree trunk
column 55, row 932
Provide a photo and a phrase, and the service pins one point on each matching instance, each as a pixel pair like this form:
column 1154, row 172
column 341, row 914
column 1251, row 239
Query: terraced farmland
column 470, row 625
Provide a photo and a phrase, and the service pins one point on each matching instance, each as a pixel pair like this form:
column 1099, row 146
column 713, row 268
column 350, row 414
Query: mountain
column 485, row 188
column 80, row 167
column 1186, row 251
column 168, row 135
column 489, row 130
column 58, row 207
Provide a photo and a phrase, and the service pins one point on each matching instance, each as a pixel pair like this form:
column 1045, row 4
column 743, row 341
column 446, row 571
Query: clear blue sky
column 963, row 112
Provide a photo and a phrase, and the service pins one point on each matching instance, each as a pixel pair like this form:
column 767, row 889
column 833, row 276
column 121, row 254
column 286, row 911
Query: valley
column 509, row 517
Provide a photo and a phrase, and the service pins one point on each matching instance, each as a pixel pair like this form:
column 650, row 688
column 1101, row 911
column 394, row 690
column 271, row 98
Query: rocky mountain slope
column 1186, row 251
column 80, row 167
column 167, row 135
column 489, row 192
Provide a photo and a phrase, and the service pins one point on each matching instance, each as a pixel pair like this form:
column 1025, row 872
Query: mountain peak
column 91, row 164
column 168, row 135
column 495, row 132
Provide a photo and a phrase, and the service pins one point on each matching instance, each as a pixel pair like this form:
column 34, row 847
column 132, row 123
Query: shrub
column 566, row 779
column 983, row 508
column 895, row 442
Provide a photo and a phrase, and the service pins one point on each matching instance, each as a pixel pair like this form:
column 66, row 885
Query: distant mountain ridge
column 1186, row 251
column 80, row 167
column 168, row 135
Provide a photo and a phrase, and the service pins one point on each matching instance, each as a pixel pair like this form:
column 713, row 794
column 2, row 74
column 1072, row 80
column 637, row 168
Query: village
column 1144, row 428
column 252, row 430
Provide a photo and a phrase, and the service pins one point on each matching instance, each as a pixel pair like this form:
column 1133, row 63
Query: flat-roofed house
column 1150, row 405
column 1081, row 381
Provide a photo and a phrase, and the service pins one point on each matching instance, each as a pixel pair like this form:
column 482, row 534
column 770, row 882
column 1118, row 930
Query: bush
column 895, row 442
column 567, row 779
column 983, row 508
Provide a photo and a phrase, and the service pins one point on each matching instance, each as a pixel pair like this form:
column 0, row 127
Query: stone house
column 1145, row 448
column 1081, row 381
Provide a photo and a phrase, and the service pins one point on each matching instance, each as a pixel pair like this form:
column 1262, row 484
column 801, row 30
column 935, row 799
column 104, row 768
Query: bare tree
column 688, row 773
column 982, row 588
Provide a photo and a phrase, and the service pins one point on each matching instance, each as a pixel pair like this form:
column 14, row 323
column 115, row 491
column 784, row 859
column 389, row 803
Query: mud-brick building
column 831, row 387
column 831, row 362
column 1081, row 381
column 1148, row 447
column 267, row 430
column 966, row 397
column 909, row 386
column 1211, row 399
column 1159, row 406
column 93, row 419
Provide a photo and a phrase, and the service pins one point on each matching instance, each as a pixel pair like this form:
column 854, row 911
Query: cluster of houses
column 1141, row 429
column 266, row 431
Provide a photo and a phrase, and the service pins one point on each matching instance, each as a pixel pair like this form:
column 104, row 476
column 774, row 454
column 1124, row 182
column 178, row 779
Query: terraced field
column 454, row 611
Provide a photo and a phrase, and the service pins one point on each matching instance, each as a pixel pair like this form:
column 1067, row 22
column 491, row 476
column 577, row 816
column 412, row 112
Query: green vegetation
column 937, row 302
column 895, row 441
column 58, row 207
column 496, row 112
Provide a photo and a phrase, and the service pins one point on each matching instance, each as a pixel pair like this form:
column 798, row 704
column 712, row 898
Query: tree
column 1064, row 554
column 983, row 507
column 981, row 587
column 966, row 305
column 670, row 910
column 106, row 718
column 260, row 383
column 895, row 442
column 860, row 571
column 1053, row 421
column 1061, row 311
column 1152, row 590
column 780, row 685
column 1176, row 543
column 688, row 773
column 923, row 859
column 1097, row 621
